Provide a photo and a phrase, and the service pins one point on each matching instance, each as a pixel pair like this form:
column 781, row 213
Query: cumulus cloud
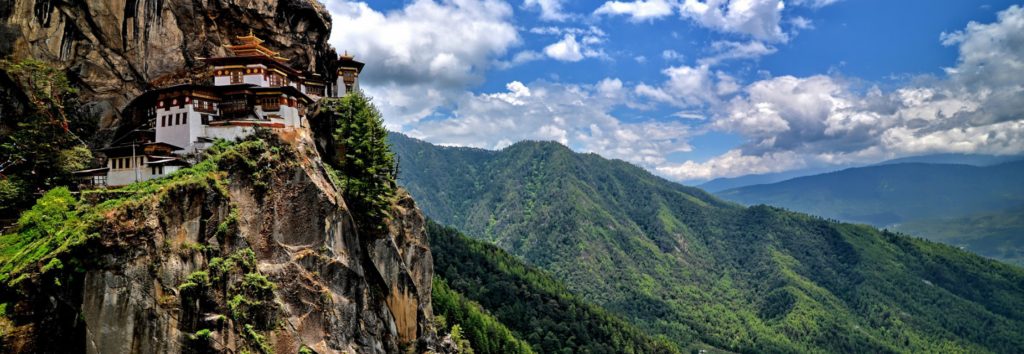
column 566, row 49
column 550, row 10
column 639, row 10
column 759, row 19
column 814, row 3
column 425, row 53
column 574, row 115
column 729, row 50
column 520, row 58
column 669, row 54
column 570, row 50
column 690, row 86
column 733, row 163
column 756, row 18
column 791, row 122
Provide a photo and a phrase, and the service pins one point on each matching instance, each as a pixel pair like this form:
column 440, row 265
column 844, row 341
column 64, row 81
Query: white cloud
column 610, row 88
column 814, row 3
column 424, row 54
column 515, row 96
column 728, row 50
column 791, row 122
column 688, row 86
column 579, row 31
column 756, row 18
column 570, row 50
column 575, row 115
column 669, row 54
column 550, row 10
column 566, row 49
column 801, row 23
column 639, row 10
column 759, row 19
column 733, row 163
column 520, row 58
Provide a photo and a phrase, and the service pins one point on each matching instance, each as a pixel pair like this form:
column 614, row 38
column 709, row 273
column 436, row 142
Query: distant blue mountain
column 977, row 207
column 720, row 184
column 957, row 159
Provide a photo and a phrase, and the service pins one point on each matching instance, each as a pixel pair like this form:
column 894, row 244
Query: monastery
column 251, row 88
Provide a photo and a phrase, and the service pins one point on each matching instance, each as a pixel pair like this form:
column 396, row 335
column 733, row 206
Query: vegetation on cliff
column 679, row 262
column 48, row 241
column 359, row 154
column 39, row 137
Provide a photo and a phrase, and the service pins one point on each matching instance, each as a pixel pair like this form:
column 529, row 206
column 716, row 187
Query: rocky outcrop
column 180, row 267
column 116, row 49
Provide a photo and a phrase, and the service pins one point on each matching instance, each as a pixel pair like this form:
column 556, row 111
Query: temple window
column 234, row 105
column 236, row 76
column 276, row 80
column 270, row 103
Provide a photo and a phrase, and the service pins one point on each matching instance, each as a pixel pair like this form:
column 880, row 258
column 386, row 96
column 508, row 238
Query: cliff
column 252, row 249
column 113, row 50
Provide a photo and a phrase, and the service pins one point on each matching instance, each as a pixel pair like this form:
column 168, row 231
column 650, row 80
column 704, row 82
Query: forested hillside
column 681, row 263
column 978, row 208
column 534, row 305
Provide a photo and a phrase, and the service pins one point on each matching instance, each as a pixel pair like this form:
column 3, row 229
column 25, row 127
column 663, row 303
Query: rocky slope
column 116, row 49
column 252, row 249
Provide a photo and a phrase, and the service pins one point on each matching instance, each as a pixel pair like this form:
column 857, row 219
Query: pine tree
column 363, row 157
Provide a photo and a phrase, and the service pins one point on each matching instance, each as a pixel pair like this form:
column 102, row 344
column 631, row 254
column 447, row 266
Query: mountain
column 978, row 208
column 724, row 183
column 679, row 262
column 956, row 159
column 720, row 184
column 891, row 194
column 528, row 300
column 998, row 235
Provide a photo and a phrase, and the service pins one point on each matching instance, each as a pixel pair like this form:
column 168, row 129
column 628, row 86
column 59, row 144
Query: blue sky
column 698, row 89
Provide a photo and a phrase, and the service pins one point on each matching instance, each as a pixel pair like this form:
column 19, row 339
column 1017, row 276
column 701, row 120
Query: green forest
column 535, row 306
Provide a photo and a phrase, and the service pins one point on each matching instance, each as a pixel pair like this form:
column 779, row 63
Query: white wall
column 256, row 79
column 179, row 135
column 228, row 132
column 126, row 175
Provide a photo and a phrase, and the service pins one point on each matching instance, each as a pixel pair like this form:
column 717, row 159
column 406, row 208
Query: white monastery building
column 251, row 87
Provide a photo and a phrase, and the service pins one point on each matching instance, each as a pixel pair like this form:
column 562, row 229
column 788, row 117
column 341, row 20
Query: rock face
column 116, row 49
column 335, row 289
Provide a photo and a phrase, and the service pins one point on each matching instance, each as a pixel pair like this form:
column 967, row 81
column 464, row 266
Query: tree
column 39, row 144
column 361, row 155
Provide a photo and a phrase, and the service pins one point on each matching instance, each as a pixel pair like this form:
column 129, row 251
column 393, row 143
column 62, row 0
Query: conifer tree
column 363, row 157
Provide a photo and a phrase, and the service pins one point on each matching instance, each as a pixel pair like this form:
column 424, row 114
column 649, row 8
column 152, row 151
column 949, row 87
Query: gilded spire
column 252, row 45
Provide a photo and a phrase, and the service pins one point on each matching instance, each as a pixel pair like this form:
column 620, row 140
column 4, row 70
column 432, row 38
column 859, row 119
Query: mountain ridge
column 680, row 262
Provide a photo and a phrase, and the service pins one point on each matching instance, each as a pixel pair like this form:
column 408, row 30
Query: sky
column 694, row 90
